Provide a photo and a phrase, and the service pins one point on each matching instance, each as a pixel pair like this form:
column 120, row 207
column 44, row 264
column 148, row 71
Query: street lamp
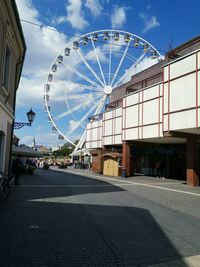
column 30, row 116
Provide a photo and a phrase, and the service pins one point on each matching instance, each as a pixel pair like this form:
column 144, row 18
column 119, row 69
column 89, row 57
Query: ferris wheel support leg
column 82, row 140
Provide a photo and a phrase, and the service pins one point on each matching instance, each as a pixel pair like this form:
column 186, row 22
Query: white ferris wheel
column 82, row 78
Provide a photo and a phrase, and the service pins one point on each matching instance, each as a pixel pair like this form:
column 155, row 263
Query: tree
column 64, row 151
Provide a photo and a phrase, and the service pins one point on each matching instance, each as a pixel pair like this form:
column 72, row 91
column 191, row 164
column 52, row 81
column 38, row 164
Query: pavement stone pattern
column 60, row 219
column 192, row 261
column 145, row 187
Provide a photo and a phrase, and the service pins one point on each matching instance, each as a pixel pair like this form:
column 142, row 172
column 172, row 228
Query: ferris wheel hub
column 108, row 89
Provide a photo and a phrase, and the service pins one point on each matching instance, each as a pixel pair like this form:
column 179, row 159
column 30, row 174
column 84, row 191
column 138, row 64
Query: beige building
column 12, row 52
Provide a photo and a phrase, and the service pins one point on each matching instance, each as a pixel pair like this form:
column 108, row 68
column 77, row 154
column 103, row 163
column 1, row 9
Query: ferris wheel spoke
column 90, row 68
column 99, row 64
column 85, row 116
column 87, row 87
column 84, row 86
column 82, row 76
column 122, row 59
column 66, row 113
column 110, row 62
column 85, row 104
column 123, row 77
column 81, row 141
column 62, row 115
column 82, row 104
column 69, row 97
column 101, row 105
column 89, row 100
column 77, row 96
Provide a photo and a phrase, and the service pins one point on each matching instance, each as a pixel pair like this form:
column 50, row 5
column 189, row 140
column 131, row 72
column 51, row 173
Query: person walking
column 17, row 166
column 157, row 167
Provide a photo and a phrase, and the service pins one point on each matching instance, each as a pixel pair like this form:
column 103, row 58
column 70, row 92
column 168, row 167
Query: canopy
column 25, row 151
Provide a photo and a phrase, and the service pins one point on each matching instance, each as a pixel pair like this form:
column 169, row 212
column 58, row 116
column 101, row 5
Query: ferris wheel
column 82, row 78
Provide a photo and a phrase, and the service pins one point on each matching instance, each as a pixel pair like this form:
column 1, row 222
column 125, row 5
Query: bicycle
column 5, row 185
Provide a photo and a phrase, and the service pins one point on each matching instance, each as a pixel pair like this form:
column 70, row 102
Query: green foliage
column 64, row 151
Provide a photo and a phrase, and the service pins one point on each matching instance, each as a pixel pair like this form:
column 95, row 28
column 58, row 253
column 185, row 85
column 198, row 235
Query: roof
column 19, row 26
column 112, row 155
column 18, row 22
column 25, row 151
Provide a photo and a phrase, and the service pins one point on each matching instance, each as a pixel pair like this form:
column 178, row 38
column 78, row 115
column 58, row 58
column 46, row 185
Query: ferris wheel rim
column 116, row 30
column 80, row 40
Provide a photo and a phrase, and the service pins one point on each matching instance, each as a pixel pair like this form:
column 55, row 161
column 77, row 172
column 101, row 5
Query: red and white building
column 154, row 117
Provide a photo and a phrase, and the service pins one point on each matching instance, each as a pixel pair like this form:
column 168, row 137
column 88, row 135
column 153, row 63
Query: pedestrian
column 157, row 167
column 162, row 169
column 17, row 167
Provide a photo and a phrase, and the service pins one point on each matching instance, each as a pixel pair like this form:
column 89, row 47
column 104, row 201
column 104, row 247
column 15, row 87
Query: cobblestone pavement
column 174, row 194
column 57, row 218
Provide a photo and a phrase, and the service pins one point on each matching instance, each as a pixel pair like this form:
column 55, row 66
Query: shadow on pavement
column 42, row 226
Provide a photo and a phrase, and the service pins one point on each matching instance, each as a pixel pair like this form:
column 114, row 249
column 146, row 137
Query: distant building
column 44, row 150
column 12, row 52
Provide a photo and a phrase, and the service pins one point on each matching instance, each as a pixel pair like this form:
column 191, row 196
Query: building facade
column 12, row 52
column 153, row 121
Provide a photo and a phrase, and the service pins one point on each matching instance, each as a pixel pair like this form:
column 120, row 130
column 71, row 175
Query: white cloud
column 26, row 10
column 75, row 15
column 150, row 22
column 92, row 55
column 43, row 46
column 59, row 20
column 73, row 124
column 95, row 7
column 30, row 92
column 118, row 17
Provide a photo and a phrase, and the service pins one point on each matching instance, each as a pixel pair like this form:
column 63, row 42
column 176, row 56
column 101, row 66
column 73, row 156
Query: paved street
column 57, row 218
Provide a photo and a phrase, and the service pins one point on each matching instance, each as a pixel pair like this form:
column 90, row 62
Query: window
column 6, row 69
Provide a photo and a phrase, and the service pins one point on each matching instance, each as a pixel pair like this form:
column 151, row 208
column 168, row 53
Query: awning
column 112, row 155
column 80, row 152
column 25, row 151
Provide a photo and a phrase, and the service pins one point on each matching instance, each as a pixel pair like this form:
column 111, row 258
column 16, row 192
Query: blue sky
column 161, row 23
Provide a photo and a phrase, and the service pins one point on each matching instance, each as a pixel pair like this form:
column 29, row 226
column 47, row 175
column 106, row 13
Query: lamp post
column 30, row 116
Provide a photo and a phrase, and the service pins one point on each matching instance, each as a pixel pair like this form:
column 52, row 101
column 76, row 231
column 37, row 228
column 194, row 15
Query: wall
column 171, row 105
column 182, row 93
column 12, row 40
column 94, row 134
column 142, row 114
